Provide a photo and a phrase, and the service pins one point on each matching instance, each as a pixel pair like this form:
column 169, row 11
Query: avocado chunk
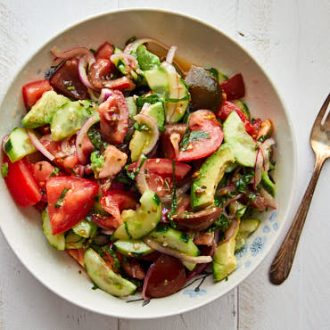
column 106, row 279
column 142, row 221
column 156, row 111
column 43, row 111
column 224, row 260
column 70, row 118
column 176, row 240
column 209, row 175
column 241, row 143
column 132, row 248
column 56, row 241
column 18, row 144
column 246, row 228
column 204, row 89
column 146, row 59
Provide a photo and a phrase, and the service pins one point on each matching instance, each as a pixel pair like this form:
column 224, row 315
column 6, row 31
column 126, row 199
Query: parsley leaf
column 151, row 99
column 95, row 137
column 191, row 136
column 97, row 161
column 4, row 170
column 60, row 200
column 222, row 224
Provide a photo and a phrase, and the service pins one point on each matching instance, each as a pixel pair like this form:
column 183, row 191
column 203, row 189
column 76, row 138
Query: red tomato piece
column 164, row 168
column 69, row 201
column 33, row 91
column 42, row 171
column 21, row 183
column 170, row 139
column 203, row 121
column 66, row 80
column 99, row 71
column 121, row 84
column 234, row 87
column 114, row 118
column 104, row 51
column 78, row 255
column 166, row 276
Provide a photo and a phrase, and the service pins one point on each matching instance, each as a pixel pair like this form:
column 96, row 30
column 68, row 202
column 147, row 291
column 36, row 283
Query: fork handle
column 282, row 263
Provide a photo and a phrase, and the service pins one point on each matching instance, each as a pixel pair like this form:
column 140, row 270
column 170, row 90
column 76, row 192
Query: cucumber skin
column 56, row 241
column 105, row 278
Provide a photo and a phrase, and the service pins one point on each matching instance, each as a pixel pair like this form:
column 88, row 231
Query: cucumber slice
column 132, row 108
column 244, row 108
column 241, row 143
column 18, row 144
column 105, row 278
column 85, row 229
column 157, row 80
column 156, row 111
column 133, row 247
column 74, row 241
column 224, row 259
column 56, row 241
column 175, row 239
column 43, row 111
column 246, row 228
column 142, row 221
column 209, row 175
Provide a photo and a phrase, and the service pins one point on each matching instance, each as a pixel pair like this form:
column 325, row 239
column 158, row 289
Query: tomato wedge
column 114, row 118
column 205, row 136
column 164, row 167
column 42, row 171
column 33, row 91
column 99, row 71
column 21, row 183
column 104, row 51
column 69, row 201
column 165, row 277
column 234, row 87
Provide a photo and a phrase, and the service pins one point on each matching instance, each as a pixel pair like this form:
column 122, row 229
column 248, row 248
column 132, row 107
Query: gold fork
column 320, row 142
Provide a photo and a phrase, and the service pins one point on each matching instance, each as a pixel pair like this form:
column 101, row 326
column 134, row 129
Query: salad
column 145, row 171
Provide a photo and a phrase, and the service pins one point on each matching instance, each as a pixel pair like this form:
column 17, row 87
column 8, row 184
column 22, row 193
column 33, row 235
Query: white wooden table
column 291, row 40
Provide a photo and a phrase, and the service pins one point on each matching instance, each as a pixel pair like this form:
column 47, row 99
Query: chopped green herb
column 151, row 99
column 132, row 174
column 95, row 137
column 146, row 59
column 141, row 127
column 243, row 182
column 92, row 50
column 97, row 161
column 94, row 287
column 174, row 202
column 71, row 88
column 4, row 170
column 222, row 224
column 214, row 72
column 56, row 170
column 60, row 200
column 185, row 237
column 156, row 199
column 191, row 136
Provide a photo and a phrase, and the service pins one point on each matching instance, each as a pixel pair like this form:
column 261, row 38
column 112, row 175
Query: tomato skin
column 33, row 91
column 99, row 71
column 170, row 139
column 234, row 87
column 205, row 121
column 21, row 183
column 42, row 171
column 76, row 202
column 167, row 276
column 104, row 51
column 164, row 167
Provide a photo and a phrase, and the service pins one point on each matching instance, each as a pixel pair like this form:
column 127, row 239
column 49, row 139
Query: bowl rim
column 275, row 235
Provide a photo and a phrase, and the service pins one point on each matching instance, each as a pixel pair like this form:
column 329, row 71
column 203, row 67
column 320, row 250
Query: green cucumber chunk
column 224, row 259
column 241, row 143
column 175, row 239
column 70, row 118
column 157, row 80
column 146, row 59
column 246, row 228
column 105, row 278
column 209, row 175
column 133, row 248
column 142, row 221
column 132, row 108
column 73, row 241
column 56, row 241
column 43, row 111
column 18, row 144
column 85, row 229
column 156, row 111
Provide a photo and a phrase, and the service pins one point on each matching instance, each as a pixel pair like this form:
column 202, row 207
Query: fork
column 320, row 142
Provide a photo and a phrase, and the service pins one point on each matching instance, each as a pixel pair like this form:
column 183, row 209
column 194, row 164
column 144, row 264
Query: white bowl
column 200, row 44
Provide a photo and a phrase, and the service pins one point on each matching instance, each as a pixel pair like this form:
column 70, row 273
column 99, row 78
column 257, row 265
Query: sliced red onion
column 179, row 192
column 78, row 51
column 82, row 133
column 268, row 198
column 146, row 282
column 135, row 44
column 229, row 201
column 171, row 252
column 171, row 53
column 258, row 167
column 39, row 146
column 128, row 59
column 231, row 230
column 84, row 64
column 93, row 95
column 152, row 124
column 265, row 147
column 105, row 94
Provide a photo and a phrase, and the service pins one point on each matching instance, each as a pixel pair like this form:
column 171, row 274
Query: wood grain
column 290, row 39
